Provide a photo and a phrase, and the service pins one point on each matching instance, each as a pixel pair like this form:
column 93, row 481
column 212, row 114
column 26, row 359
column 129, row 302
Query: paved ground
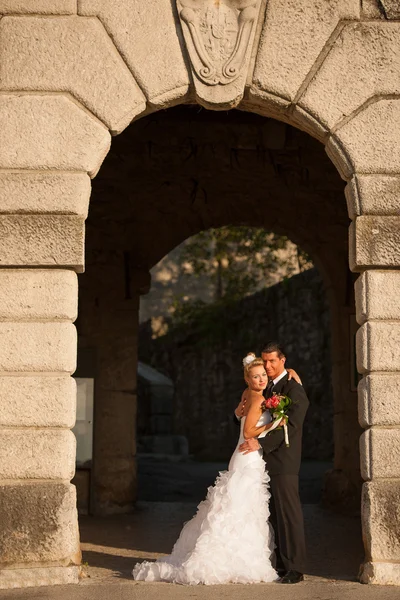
column 112, row 545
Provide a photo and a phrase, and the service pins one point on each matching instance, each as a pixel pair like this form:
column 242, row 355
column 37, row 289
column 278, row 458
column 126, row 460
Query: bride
column 229, row 540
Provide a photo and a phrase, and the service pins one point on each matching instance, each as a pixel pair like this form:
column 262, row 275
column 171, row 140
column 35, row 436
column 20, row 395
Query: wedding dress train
column 229, row 540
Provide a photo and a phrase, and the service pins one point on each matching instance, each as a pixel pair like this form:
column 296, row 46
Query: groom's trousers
column 288, row 523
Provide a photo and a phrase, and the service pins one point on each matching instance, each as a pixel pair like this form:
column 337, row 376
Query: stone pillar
column 39, row 538
column 378, row 347
column 108, row 325
column 375, row 251
column 342, row 486
column 49, row 144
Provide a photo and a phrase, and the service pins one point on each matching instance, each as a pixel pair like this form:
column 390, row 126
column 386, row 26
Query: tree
column 241, row 260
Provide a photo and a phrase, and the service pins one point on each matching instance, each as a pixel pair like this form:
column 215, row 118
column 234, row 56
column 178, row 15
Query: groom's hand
column 250, row 445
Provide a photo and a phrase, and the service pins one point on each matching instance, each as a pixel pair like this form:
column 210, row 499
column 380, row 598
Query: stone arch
column 56, row 115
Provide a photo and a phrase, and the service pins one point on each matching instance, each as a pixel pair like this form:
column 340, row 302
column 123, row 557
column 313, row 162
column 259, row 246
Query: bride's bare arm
column 293, row 375
column 250, row 427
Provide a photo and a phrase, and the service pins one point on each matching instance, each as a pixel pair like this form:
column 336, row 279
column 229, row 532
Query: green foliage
column 238, row 261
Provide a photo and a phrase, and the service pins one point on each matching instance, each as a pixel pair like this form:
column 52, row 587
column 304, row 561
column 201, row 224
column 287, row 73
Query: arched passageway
column 169, row 176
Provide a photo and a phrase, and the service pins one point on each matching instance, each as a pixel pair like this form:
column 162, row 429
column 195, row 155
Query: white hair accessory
column 249, row 359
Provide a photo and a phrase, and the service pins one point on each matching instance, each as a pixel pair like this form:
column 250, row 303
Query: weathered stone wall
column 204, row 361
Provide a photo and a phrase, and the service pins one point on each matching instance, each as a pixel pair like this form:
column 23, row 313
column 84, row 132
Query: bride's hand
column 241, row 405
column 293, row 375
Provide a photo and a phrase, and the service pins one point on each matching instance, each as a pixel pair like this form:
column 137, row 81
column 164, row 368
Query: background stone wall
column 204, row 361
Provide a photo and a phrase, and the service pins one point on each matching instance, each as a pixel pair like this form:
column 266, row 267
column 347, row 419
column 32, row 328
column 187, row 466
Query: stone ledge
column 38, row 577
column 377, row 296
column 45, row 192
column 37, row 454
column 37, row 401
column 374, row 242
column 38, row 294
column 42, row 240
column 378, row 396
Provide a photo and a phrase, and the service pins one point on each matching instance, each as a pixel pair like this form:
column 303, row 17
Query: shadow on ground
column 111, row 546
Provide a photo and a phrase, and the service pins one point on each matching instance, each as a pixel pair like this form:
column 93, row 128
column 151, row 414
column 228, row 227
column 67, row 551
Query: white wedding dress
column 229, row 540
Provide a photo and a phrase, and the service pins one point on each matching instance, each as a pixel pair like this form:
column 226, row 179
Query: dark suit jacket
column 279, row 459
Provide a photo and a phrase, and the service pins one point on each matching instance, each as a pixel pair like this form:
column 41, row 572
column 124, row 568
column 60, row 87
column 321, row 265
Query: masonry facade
column 73, row 74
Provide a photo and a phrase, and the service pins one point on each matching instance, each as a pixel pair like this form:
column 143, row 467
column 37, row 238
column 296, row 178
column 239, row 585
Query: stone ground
column 112, row 545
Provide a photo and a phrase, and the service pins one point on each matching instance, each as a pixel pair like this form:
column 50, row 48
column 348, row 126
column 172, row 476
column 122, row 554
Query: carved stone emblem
column 220, row 31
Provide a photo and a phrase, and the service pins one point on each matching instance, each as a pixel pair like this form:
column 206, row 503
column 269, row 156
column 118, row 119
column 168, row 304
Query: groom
column 283, row 466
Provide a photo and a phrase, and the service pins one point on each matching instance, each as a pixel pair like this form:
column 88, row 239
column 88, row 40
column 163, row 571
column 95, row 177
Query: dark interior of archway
column 186, row 169
column 179, row 171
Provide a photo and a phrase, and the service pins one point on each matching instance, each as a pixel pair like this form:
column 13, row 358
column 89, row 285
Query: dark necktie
column 268, row 389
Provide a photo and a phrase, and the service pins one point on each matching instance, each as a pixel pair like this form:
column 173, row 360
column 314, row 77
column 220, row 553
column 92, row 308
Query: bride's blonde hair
column 250, row 361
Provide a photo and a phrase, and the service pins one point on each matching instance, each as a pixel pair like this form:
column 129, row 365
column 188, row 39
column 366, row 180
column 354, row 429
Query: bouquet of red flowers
column 278, row 405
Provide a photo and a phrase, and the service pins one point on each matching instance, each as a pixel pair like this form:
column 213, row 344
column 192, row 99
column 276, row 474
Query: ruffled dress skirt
column 229, row 540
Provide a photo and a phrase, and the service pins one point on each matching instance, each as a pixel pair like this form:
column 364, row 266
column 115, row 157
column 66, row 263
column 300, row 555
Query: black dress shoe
column 292, row 577
column 281, row 572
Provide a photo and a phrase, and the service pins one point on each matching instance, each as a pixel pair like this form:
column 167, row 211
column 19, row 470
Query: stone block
column 381, row 520
column 390, row 8
column 43, row 131
column 37, row 453
column 38, row 347
column 373, row 195
column 374, row 242
column 379, row 453
column 370, row 138
column 371, row 9
column 378, row 296
column 378, row 399
column 148, row 37
column 38, row 294
column 294, row 34
column 39, row 524
column 363, row 62
column 378, row 346
column 37, row 401
column 42, row 240
column 36, row 55
column 380, row 573
column 40, row 7
column 56, row 193
column 38, row 577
